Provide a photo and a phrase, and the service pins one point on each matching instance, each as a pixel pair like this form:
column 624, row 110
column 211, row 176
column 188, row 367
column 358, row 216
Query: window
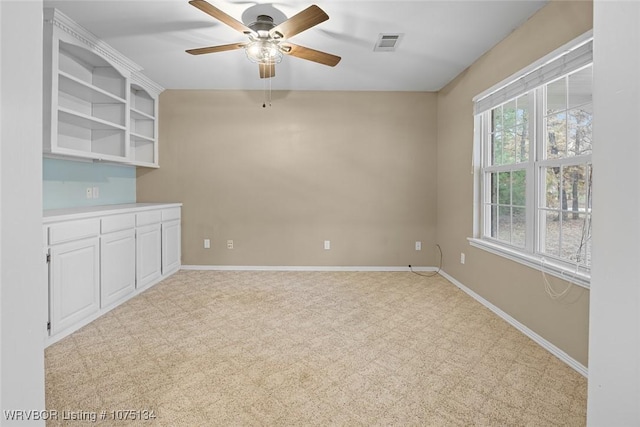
column 505, row 171
column 534, row 172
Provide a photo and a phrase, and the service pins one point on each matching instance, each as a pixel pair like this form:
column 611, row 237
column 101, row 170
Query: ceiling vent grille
column 387, row 42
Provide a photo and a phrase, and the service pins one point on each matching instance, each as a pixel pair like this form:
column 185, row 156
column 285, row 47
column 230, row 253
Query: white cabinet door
column 74, row 282
column 170, row 246
column 118, row 266
column 148, row 255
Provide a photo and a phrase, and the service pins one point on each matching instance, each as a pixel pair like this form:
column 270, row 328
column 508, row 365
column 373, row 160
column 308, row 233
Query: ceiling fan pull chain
column 266, row 97
column 270, row 91
column 264, row 93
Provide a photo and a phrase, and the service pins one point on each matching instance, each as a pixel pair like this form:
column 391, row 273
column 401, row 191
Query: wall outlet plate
column 207, row 243
column 327, row 245
column 418, row 246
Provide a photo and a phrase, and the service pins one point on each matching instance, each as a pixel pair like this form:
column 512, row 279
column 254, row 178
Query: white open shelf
column 143, row 127
column 89, row 67
column 97, row 104
column 85, row 91
column 139, row 115
column 85, row 121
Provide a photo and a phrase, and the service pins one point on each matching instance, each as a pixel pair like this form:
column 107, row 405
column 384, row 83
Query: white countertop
column 55, row 215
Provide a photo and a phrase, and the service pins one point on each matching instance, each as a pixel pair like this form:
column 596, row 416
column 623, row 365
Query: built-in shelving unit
column 97, row 104
column 143, row 127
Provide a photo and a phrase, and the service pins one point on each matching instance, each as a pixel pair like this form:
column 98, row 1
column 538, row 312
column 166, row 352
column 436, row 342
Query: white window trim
column 543, row 264
column 566, row 271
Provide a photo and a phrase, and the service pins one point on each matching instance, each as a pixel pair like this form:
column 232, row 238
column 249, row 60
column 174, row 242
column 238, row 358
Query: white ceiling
column 441, row 39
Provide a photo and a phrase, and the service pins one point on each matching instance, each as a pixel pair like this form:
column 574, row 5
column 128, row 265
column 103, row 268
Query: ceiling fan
column 268, row 41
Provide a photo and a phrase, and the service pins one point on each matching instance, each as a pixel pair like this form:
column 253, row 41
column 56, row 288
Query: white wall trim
column 551, row 348
column 573, row 274
column 299, row 268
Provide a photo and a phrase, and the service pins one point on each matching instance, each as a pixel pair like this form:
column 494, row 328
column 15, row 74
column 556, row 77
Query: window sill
column 537, row 262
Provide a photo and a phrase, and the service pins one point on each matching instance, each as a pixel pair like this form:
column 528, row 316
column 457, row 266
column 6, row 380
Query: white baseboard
column 551, row 348
column 299, row 268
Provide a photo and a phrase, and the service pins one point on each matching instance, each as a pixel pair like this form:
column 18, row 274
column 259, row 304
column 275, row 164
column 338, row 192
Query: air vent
column 387, row 42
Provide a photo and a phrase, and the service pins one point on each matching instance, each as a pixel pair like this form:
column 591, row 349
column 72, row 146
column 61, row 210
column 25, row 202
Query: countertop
column 54, row 215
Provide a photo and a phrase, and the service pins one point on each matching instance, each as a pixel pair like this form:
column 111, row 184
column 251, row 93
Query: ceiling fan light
column 253, row 50
column 263, row 51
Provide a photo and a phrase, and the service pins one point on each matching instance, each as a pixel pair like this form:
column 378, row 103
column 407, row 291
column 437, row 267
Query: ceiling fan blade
column 304, row 20
column 221, row 16
column 310, row 54
column 213, row 49
column 267, row 70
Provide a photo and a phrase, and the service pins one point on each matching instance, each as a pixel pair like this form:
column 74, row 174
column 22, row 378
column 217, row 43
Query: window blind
column 561, row 65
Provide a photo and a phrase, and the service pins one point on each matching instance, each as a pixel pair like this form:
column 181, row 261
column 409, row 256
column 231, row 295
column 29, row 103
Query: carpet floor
column 208, row 348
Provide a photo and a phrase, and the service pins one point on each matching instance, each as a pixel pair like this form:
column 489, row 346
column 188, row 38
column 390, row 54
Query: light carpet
column 208, row 348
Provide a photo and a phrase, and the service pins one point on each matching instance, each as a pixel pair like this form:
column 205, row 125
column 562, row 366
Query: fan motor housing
column 264, row 23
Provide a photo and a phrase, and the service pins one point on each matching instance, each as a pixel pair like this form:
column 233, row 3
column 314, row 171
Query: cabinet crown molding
column 61, row 21
column 146, row 83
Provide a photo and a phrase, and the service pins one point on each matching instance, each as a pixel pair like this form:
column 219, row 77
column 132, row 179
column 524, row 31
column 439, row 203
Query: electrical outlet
column 96, row 192
column 418, row 246
column 89, row 193
column 229, row 244
column 207, row 243
column 327, row 245
column 462, row 258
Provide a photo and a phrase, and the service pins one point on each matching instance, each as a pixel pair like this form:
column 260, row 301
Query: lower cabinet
column 170, row 246
column 102, row 259
column 118, row 266
column 74, row 282
column 148, row 254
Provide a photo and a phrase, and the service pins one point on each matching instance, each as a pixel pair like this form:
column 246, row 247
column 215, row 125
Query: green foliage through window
column 556, row 164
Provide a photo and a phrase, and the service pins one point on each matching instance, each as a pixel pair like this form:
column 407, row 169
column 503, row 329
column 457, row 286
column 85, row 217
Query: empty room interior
column 407, row 213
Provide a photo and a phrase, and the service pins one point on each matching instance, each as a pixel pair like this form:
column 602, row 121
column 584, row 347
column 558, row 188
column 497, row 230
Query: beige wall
column 356, row 168
column 516, row 289
column 372, row 172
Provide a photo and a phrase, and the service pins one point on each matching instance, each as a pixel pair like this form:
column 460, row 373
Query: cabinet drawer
column 73, row 230
column 118, row 222
column 149, row 217
column 170, row 214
